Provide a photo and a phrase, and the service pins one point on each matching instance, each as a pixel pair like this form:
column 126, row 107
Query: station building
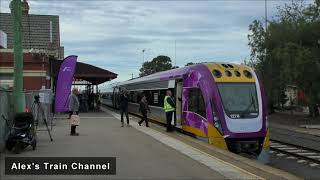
column 42, row 53
column 40, row 43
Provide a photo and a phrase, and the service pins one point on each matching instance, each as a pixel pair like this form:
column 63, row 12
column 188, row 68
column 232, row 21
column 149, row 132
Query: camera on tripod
column 39, row 113
column 37, row 99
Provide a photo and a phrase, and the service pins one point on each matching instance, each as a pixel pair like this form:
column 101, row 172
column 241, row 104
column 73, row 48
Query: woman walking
column 73, row 108
column 143, row 109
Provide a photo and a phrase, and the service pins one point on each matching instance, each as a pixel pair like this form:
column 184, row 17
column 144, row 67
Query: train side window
column 130, row 96
column 161, row 97
column 134, row 97
column 155, row 98
column 139, row 96
column 196, row 102
column 148, row 96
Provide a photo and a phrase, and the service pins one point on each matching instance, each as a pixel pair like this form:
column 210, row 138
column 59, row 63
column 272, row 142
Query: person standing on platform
column 144, row 108
column 73, row 108
column 90, row 101
column 169, row 108
column 124, row 106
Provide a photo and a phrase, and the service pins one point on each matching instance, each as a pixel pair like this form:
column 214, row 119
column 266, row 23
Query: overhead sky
column 112, row 34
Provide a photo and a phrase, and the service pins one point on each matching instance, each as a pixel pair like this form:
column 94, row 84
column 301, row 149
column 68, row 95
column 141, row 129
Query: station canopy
column 86, row 72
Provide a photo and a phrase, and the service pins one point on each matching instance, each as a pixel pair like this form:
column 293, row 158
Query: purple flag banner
column 64, row 83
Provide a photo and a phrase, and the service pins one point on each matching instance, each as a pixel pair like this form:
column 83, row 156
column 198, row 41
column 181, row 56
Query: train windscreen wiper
column 248, row 108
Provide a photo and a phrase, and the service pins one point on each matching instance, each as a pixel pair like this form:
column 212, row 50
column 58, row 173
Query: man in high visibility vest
column 169, row 108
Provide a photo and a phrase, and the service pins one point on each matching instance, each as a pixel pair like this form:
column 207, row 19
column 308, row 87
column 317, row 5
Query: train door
column 178, row 104
column 194, row 112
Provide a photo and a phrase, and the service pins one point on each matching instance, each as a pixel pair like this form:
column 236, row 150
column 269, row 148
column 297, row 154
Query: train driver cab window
column 196, row 102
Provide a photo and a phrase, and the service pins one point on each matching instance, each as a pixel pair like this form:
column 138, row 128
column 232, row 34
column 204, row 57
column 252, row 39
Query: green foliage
column 158, row 64
column 189, row 64
column 288, row 53
column 175, row 67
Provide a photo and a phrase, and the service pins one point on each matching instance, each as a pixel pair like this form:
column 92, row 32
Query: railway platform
column 141, row 153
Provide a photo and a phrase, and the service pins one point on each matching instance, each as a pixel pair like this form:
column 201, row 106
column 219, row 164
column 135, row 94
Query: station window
column 196, row 102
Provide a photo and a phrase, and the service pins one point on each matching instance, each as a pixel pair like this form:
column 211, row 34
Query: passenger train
column 224, row 103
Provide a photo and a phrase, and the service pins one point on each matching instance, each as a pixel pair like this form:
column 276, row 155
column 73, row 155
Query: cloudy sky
column 112, row 34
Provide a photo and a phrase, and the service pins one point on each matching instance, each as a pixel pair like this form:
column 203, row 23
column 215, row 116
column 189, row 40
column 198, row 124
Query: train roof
column 179, row 72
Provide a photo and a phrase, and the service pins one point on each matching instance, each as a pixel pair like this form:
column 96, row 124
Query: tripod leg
column 45, row 121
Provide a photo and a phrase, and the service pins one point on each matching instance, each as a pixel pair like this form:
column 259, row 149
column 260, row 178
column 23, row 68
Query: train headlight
column 217, row 123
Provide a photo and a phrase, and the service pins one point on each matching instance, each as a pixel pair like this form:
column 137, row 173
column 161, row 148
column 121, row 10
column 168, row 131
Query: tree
column 288, row 52
column 175, row 67
column 189, row 64
column 158, row 64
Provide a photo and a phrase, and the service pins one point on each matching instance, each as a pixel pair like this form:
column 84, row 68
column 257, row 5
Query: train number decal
column 235, row 116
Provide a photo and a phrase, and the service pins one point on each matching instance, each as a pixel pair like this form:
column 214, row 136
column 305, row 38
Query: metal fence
column 7, row 110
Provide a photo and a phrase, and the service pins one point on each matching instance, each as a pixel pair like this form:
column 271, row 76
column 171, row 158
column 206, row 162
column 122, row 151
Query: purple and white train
column 222, row 102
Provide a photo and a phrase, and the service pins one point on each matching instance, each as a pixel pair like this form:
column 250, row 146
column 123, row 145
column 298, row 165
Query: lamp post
column 16, row 13
column 266, row 29
column 175, row 53
column 143, row 50
column 266, row 13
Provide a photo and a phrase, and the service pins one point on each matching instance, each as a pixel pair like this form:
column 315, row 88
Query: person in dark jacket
column 169, row 107
column 90, row 100
column 124, row 106
column 143, row 109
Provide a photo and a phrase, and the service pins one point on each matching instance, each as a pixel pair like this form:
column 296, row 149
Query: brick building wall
column 41, row 36
column 36, row 70
column 35, row 83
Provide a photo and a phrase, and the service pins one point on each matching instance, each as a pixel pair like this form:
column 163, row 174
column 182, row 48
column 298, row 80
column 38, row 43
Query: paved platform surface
column 142, row 153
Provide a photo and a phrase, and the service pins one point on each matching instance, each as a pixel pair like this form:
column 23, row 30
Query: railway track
column 281, row 149
column 300, row 153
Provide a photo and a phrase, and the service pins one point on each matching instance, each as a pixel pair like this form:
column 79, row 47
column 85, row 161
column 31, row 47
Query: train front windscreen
column 239, row 99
